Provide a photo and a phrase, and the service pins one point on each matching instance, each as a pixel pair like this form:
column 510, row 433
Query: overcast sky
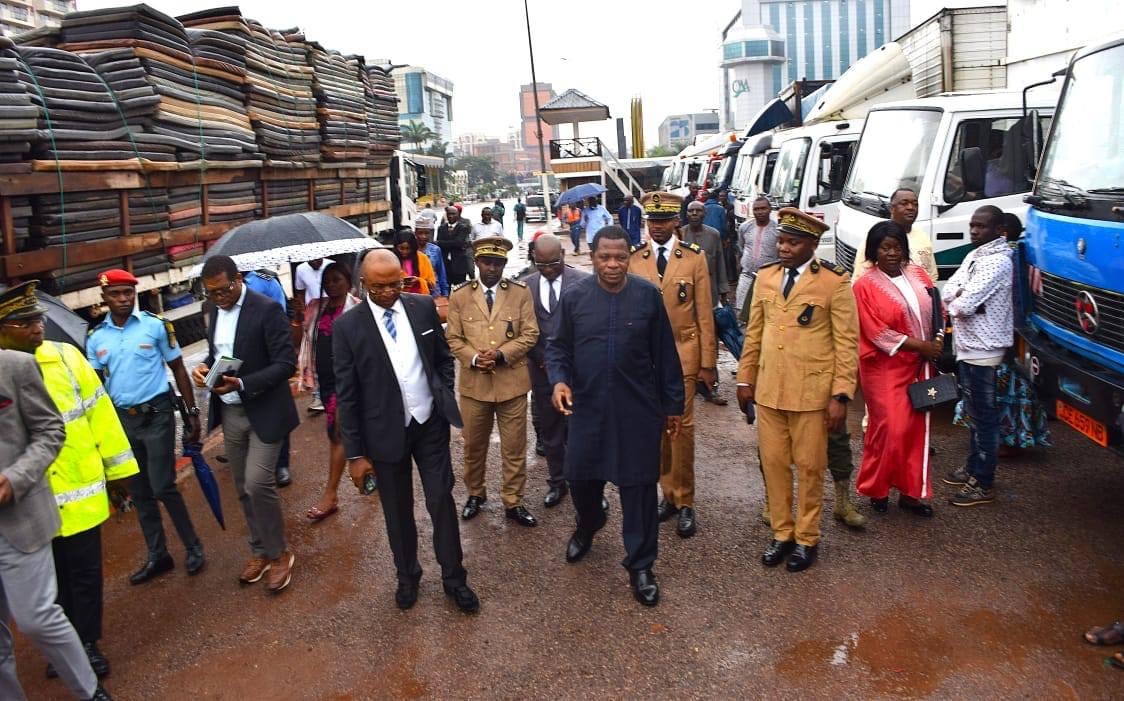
column 662, row 51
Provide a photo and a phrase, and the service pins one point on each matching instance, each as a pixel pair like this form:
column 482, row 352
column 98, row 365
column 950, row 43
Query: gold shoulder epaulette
column 513, row 281
column 769, row 265
column 692, row 246
column 466, row 283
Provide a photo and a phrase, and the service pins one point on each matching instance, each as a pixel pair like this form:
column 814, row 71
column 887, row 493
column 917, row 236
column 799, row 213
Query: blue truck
column 1071, row 326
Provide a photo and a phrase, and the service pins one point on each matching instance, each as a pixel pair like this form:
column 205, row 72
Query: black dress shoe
column 284, row 477
column 776, row 552
column 666, row 510
column 880, row 505
column 406, row 595
column 98, row 661
column 472, row 507
column 801, row 558
column 520, row 515
column 540, row 449
column 579, row 545
column 687, row 525
column 101, row 694
column 194, row 561
column 915, row 506
column 644, row 587
column 464, row 597
column 554, row 496
column 153, row 569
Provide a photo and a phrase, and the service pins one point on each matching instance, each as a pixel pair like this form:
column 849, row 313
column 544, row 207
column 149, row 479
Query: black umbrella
column 292, row 238
column 62, row 324
column 207, row 482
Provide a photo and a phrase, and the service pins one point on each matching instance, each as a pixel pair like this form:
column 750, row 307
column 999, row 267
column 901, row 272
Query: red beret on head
column 116, row 276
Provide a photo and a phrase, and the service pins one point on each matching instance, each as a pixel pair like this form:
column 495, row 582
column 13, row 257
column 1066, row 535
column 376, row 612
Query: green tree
column 481, row 169
column 417, row 134
column 657, row 151
column 439, row 148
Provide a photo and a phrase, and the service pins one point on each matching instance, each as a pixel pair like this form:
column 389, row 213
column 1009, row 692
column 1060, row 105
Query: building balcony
column 24, row 3
column 26, row 21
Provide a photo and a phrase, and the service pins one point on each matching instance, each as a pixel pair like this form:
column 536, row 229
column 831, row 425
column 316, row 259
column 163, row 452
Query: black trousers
column 78, row 570
column 283, row 456
column 551, row 428
column 153, row 440
column 428, row 445
column 641, row 527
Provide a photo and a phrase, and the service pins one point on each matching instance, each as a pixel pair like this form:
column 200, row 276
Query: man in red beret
column 130, row 349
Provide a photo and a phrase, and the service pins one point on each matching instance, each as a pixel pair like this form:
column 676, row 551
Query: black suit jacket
column 371, row 417
column 455, row 247
column 263, row 344
column 548, row 321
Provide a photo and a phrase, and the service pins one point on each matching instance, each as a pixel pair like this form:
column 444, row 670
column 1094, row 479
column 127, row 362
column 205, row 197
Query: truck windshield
column 1086, row 149
column 722, row 177
column 893, row 152
column 785, row 190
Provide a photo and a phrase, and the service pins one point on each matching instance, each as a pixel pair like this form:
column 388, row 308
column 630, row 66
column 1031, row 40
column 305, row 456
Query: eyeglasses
column 26, row 323
column 219, row 291
column 548, row 264
column 384, row 286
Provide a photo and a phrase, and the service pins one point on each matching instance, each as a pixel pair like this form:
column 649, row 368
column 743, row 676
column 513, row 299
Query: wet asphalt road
column 988, row 602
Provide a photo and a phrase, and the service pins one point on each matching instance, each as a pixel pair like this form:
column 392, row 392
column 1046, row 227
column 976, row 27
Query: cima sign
column 739, row 87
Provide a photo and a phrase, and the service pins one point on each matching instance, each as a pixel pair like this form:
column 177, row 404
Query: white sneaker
column 316, row 406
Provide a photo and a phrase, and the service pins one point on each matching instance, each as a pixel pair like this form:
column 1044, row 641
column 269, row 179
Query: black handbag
column 941, row 389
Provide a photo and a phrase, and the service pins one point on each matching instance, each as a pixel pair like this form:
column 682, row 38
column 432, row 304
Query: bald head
column 381, row 277
column 549, row 256
column 696, row 205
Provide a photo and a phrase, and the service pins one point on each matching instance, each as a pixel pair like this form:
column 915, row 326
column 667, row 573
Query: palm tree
column 438, row 148
column 417, row 133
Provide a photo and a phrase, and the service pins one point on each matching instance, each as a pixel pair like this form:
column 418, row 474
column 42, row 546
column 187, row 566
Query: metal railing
column 589, row 147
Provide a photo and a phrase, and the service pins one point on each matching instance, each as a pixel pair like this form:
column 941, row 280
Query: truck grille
column 1058, row 305
column 844, row 255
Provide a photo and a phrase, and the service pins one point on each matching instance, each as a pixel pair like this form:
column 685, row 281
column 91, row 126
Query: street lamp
column 538, row 117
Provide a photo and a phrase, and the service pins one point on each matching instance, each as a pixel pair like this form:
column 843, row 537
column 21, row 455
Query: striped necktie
column 388, row 317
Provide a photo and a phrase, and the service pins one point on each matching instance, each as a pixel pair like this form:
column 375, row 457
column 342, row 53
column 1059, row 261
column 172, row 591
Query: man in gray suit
column 547, row 285
column 33, row 433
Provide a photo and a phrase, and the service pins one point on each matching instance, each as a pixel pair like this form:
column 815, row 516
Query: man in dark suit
column 395, row 399
column 453, row 238
column 254, row 406
column 547, row 285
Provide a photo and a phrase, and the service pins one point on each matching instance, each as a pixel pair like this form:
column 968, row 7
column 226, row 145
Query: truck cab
column 958, row 152
column 1071, row 328
column 753, row 173
column 811, row 165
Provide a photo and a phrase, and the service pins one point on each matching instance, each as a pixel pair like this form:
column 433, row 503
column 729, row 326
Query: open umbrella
column 206, row 478
column 579, row 193
column 292, row 238
column 62, row 324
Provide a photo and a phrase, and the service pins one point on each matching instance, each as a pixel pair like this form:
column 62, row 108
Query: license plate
column 1090, row 428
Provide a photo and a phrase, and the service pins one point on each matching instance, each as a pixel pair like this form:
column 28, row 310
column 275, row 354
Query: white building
column 424, row 97
column 678, row 130
column 771, row 43
column 19, row 16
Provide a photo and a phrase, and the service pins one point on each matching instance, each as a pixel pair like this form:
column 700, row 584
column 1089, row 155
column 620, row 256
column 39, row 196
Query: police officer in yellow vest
column 96, row 451
column 679, row 269
column 492, row 327
column 799, row 365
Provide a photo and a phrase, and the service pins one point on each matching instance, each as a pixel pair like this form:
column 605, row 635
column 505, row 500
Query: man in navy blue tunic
column 616, row 374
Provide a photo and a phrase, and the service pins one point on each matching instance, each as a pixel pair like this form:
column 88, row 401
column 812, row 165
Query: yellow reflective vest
column 96, row 447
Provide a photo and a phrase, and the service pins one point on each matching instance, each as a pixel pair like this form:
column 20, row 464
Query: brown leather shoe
column 280, row 572
column 255, row 569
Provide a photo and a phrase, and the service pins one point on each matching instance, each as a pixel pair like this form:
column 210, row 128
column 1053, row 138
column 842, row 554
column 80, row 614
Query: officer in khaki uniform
column 491, row 329
column 799, row 365
column 679, row 269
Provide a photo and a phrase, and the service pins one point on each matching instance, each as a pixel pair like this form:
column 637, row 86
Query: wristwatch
column 193, row 411
column 841, row 398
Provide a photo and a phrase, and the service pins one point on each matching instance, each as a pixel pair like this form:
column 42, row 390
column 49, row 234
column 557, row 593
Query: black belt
column 161, row 403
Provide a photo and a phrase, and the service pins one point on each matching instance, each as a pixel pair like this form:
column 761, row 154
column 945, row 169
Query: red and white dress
column 896, row 446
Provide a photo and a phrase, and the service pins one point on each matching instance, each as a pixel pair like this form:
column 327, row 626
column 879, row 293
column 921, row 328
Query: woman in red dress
column 896, row 347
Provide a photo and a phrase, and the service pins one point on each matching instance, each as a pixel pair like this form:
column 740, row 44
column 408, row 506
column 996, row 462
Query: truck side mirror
column 1032, row 136
column 973, row 169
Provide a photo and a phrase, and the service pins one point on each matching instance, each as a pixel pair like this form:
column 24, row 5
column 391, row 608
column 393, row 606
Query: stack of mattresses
column 150, row 263
column 196, row 100
column 378, row 190
column 148, row 210
column 356, row 190
column 186, row 254
column 327, row 194
column 19, row 126
column 73, row 217
column 382, row 120
column 80, row 117
column 21, row 223
column 287, row 197
column 72, row 277
column 185, row 206
column 341, row 106
column 280, row 100
column 232, row 202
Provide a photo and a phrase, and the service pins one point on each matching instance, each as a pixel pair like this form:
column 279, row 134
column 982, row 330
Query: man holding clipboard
column 252, row 355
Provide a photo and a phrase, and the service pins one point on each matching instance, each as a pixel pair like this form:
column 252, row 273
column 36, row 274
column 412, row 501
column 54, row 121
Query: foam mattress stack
column 185, row 206
column 232, row 202
column 18, row 114
column 74, row 217
column 341, row 106
column 148, row 210
column 278, row 90
column 287, row 197
column 382, row 117
column 21, row 223
column 195, row 99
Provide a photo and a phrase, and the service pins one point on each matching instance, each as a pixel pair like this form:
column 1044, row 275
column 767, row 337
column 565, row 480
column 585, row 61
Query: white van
column 811, row 167
column 957, row 151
